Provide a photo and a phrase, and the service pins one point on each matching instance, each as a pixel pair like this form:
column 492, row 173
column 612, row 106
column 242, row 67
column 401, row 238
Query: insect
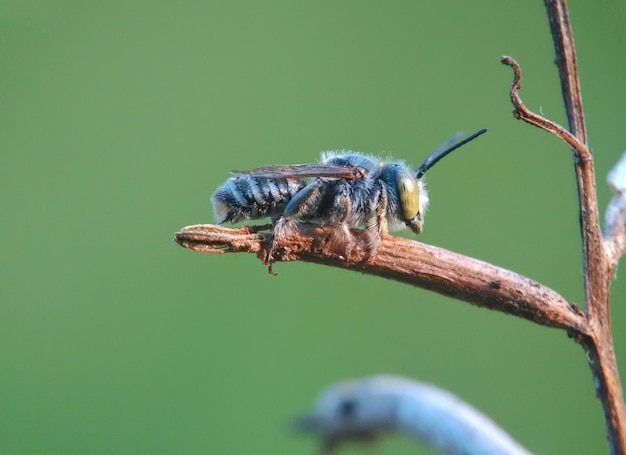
column 345, row 189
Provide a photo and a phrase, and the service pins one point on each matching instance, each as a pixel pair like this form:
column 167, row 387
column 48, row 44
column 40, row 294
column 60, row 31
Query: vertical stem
column 597, row 271
column 563, row 40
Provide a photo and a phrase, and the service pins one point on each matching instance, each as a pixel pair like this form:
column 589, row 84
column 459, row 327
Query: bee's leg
column 376, row 225
column 340, row 213
column 303, row 202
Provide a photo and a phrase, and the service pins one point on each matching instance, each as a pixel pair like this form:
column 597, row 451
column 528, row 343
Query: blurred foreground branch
column 363, row 410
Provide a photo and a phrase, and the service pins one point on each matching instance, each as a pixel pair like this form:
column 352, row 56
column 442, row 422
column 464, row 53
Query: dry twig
column 407, row 261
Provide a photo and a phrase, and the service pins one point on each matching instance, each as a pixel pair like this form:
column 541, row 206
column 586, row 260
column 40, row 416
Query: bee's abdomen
column 245, row 197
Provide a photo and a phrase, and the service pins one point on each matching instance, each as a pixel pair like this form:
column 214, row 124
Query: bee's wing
column 336, row 171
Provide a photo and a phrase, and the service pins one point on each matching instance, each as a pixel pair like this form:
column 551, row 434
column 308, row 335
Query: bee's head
column 411, row 190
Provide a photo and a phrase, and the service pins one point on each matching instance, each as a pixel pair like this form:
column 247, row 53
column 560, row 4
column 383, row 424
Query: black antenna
column 435, row 156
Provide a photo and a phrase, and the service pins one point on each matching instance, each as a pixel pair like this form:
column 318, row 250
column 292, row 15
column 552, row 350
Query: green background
column 118, row 119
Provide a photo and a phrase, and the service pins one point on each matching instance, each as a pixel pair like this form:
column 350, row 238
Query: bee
column 345, row 190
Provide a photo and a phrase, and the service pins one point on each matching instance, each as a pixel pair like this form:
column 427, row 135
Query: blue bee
column 344, row 190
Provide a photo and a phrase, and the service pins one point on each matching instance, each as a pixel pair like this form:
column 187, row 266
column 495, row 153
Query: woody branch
column 406, row 261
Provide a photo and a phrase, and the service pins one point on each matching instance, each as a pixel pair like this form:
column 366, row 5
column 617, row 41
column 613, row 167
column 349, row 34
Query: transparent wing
column 336, row 171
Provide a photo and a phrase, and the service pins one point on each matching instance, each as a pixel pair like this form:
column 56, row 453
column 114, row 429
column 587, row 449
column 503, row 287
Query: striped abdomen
column 244, row 197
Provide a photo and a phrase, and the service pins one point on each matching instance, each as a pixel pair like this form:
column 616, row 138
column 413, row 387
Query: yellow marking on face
column 408, row 191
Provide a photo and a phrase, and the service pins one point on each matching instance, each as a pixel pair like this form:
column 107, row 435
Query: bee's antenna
column 435, row 156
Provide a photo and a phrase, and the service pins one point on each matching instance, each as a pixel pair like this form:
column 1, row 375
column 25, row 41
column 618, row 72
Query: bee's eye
column 408, row 190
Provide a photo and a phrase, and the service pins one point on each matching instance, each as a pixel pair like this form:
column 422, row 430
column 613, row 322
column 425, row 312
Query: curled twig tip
column 510, row 61
column 521, row 112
